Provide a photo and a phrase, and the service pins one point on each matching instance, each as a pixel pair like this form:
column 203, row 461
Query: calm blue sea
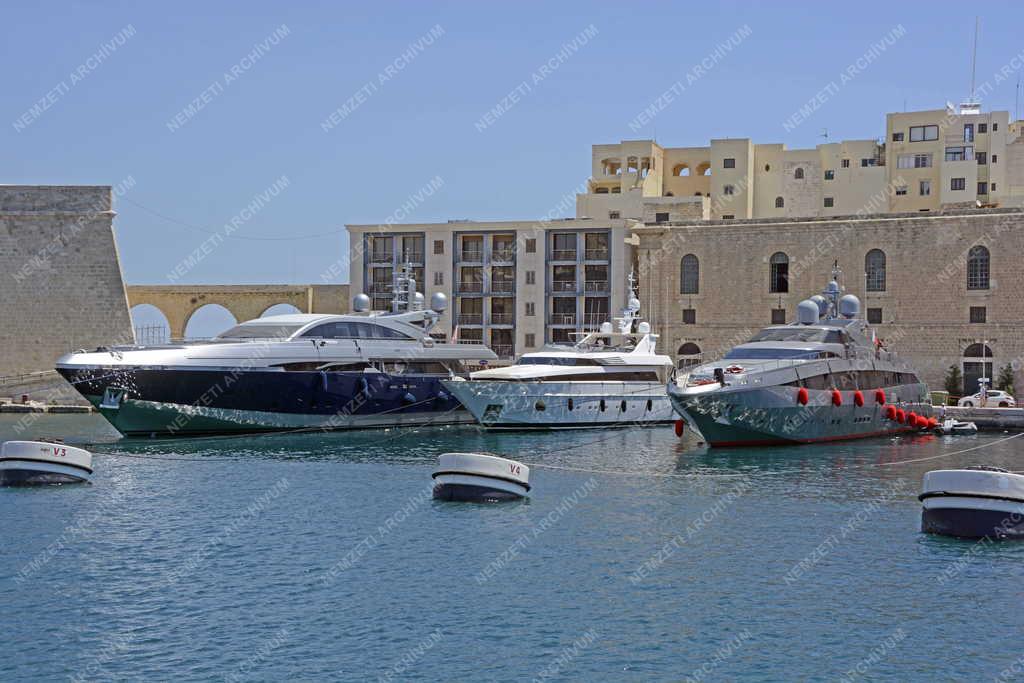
column 322, row 557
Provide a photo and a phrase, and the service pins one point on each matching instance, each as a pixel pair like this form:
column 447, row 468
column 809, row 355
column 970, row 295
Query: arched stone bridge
column 245, row 302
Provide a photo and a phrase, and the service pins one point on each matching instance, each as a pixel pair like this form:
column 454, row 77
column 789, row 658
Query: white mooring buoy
column 26, row 463
column 478, row 478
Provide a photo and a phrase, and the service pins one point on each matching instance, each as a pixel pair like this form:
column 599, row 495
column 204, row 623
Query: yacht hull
column 765, row 416
column 514, row 405
column 182, row 402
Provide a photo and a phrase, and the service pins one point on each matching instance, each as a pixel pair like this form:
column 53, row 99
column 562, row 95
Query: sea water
column 642, row 557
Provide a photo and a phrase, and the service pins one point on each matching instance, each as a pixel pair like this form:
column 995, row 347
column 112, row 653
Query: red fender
column 802, row 396
column 858, row 398
column 890, row 412
column 679, row 427
column 837, row 398
column 880, row 397
column 912, row 418
column 901, row 416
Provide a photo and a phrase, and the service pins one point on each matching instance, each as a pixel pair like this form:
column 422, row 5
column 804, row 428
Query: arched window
column 977, row 362
column 778, row 273
column 874, row 270
column 689, row 275
column 779, row 202
column 669, row 194
column 977, row 267
column 601, row 190
column 681, row 170
column 978, row 351
column 704, row 168
column 799, row 174
column 611, row 166
column 632, row 165
column 697, row 194
column 728, row 189
column 689, row 355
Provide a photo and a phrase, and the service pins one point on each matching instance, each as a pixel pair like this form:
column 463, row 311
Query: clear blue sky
column 113, row 123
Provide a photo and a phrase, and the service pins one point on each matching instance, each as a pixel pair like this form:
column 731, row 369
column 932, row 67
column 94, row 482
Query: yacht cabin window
column 353, row 330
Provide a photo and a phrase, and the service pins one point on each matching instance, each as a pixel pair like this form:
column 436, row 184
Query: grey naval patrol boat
column 825, row 377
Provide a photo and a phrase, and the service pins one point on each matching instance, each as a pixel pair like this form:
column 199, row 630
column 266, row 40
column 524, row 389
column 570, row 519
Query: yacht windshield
column 259, row 331
column 798, row 334
column 554, row 360
column 757, row 354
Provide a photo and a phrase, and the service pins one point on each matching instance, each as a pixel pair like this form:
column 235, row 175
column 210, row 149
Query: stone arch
column 704, row 168
column 688, row 356
column 977, row 361
column 611, row 166
column 281, row 308
column 798, row 174
column 212, row 320
column 150, row 325
column 681, row 170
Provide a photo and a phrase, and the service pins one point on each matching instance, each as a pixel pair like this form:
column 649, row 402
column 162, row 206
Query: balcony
column 563, row 254
column 470, row 319
column 503, row 286
column 508, row 255
column 563, row 285
column 502, row 318
column 503, row 351
column 562, row 319
column 473, row 255
column 382, row 256
column 469, row 287
column 595, row 286
column 412, row 257
column 596, row 254
column 381, row 288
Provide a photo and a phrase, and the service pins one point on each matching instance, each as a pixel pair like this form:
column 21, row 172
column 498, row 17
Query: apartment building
column 513, row 285
column 928, row 160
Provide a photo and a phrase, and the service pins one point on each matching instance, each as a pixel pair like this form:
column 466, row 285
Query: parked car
column 993, row 398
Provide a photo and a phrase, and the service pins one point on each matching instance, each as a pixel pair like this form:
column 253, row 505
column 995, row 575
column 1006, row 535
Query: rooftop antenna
column 824, row 133
column 972, row 105
column 1016, row 104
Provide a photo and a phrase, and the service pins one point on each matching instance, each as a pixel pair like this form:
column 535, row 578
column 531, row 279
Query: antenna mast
column 974, row 57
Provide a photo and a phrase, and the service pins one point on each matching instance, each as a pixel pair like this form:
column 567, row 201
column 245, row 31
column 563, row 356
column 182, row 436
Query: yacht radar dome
column 849, row 306
column 417, row 301
column 606, row 327
column 643, row 328
column 438, row 302
column 807, row 312
column 477, row 478
column 360, row 303
column 821, row 302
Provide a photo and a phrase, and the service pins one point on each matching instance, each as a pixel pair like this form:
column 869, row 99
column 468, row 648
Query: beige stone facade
column 513, row 285
column 927, row 160
column 934, row 284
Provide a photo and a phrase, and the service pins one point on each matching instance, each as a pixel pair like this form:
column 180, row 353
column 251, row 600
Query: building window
column 995, row 127
column 901, row 189
column 995, row 157
column 830, row 202
column 728, row 189
column 830, row 174
column 845, row 163
column 689, row 275
column 897, row 137
column 864, row 163
column 689, row 316
column 531, row 277
column 661, row 217
column 798, row 174
column 964, row 153
column 977, row 267
column 957, row 183
column 614, row 215
column 438, row 279
column 968, row 132
column 992, row 187
column 982, row 158
column 922, row 133
column 531, row 340
column 601, row 190
column 778, row 316
column 531, row 246
column 982, row 127
column 728, row 216
column 982, row 188
column 780, row 202
column 778, row 273
column 875, row 316
column 728, row 163
column 914, row 161
column 438, row 247
column 531, row 308
column 874, row 270
column 978, row 314
column 925, row 188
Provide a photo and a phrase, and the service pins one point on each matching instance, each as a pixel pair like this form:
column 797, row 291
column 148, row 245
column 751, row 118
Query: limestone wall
column 925, row 306
column 62, row 286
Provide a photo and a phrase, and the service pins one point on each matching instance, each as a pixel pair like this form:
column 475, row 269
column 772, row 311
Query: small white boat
column 973, row 503
column 951, row 426
column 25, row 463
column 479, row 478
